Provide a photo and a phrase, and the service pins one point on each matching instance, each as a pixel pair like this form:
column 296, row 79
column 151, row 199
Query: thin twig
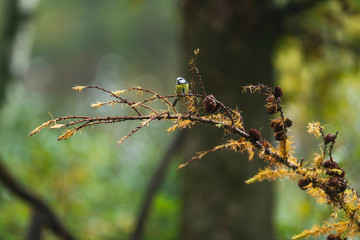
column 158, row 96
column 99, row 104
column 143, row 124
column 325, row 145
column 116, row 96
column 332, row 145
column 227, row 111
column 195, row 70
column 165, row 97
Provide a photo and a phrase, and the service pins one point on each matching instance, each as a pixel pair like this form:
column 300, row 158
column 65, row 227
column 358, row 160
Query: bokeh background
column 96, row 188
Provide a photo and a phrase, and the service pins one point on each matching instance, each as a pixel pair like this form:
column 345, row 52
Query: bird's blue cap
column 181, row 80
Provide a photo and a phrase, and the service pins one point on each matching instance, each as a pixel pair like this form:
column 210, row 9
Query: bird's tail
column 175, row 101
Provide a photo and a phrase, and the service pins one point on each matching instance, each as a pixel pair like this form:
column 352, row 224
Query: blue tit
column 182, row 87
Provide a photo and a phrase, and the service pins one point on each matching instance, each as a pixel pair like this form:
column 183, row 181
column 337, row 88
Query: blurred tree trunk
column 7, row 38
column 236, row 40
column 16, row 36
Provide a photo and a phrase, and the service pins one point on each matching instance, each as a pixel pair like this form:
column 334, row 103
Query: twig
column 143, row 124
column 164, row 98
column 195, row 71
column 123, row 100
column 332, row 145
column 323, row 135
column 99, row 104
column 227, row 111
column 202, row 154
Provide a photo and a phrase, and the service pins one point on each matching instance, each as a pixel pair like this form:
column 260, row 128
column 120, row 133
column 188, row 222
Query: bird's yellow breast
column 182, row 89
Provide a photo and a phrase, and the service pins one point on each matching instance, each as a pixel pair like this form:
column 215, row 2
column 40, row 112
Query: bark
column 236, row 41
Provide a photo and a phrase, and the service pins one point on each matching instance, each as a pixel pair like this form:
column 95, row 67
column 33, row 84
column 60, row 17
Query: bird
column 182, row 87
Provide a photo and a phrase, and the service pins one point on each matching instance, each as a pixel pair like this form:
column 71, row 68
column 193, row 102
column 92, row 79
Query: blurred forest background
column 95, row 188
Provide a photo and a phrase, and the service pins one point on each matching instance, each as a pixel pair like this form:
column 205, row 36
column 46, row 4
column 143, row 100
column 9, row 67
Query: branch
column 324, row 180
column 52, row 221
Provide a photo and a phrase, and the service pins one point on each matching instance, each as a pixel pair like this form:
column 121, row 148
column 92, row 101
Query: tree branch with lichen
column 321, row 178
